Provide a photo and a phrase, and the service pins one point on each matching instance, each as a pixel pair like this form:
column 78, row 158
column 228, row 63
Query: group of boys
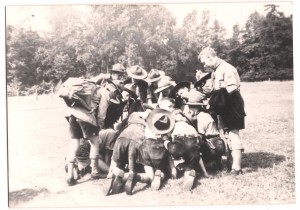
column 169, row 130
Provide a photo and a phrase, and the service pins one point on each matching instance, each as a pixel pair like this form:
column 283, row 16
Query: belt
column 212, row 136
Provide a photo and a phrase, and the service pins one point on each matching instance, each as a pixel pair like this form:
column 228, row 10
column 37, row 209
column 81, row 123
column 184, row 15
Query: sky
column 228, row 14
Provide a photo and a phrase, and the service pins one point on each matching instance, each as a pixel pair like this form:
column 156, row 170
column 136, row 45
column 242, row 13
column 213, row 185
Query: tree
column 21, row 47
column 267, row 43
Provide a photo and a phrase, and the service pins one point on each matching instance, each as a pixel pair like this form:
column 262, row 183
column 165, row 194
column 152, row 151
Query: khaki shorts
column 234, row 143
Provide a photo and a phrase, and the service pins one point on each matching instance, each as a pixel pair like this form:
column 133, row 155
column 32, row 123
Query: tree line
column 90, row 42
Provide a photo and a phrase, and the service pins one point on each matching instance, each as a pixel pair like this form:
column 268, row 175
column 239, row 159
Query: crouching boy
column 185, row 145
column 157, row 162
column 82, row 164
column 125, row 152
column 212, row 146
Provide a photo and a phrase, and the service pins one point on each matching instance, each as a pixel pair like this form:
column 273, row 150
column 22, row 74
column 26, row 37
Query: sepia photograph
column 155, row 104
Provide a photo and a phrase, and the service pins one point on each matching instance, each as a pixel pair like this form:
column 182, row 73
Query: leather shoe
column 71, row 181
column 236, row 172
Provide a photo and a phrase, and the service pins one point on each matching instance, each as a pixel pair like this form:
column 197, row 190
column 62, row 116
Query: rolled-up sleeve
column 230, row 77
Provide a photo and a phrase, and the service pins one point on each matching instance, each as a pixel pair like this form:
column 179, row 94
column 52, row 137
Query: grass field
column 37, row 142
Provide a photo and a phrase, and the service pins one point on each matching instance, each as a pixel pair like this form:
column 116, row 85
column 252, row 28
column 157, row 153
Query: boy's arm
column 167, row 141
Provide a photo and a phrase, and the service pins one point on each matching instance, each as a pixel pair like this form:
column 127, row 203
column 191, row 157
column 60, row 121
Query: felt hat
column 153, row 75
column 130, row 88
column 118, row 68
column 201, row 77
column 136, row 72
column 178, row 86
column 195, row 98
column 163, row 84
column 160, row 121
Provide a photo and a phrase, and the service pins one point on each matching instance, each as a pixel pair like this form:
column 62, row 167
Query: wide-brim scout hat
column 119, row 68
column 136, row 72
column 153, row 75
column 195, row 99
column 130, row 88
column 178, row 86
column 163, row 84
column 202, row 77
column 160, row 121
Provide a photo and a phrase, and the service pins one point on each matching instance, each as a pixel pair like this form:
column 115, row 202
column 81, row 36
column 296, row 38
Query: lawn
column 37, row 143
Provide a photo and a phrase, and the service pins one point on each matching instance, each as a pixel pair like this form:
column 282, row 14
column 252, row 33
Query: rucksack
column 79, row 92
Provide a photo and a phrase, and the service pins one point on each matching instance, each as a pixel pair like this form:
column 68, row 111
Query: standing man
column 227, row 102
column 86, row 124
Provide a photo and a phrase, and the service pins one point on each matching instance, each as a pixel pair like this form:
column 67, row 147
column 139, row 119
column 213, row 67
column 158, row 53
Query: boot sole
column 155, row 185
column 189, row 182
column 107, row 190
column 130, row 183
column 117, row 185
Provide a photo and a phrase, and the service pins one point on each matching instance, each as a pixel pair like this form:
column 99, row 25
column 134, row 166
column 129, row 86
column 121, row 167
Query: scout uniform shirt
column 225, row 75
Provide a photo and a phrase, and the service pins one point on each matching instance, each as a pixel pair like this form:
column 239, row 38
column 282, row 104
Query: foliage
column 86, row 42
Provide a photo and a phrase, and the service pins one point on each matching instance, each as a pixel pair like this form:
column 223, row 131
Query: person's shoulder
column 228, row 66
column 203, row 115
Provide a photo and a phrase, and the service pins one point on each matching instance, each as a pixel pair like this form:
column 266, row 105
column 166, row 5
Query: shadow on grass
column 256, row 160
column 24, row 195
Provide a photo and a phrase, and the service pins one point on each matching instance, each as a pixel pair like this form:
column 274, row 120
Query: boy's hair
column 165, row 99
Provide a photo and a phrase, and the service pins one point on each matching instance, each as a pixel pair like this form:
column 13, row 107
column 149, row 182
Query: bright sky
column 229, row 14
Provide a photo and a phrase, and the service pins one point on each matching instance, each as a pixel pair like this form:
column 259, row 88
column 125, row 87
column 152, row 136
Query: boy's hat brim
column 178, row 86
column 130, row 72
column 153, row 121
column 118, row 68
column 152, row 80
column 158, row 90
column 133, row 94
column 195, row 104
column 153, row 76
column 204, row 78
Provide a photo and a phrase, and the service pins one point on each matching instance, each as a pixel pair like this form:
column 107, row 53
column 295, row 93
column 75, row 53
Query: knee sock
column 237, row 159
column 70, row 169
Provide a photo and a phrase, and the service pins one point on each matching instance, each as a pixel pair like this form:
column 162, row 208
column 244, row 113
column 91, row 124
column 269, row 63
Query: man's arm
column 99, row 78
column 102, row 108
column 231, row 80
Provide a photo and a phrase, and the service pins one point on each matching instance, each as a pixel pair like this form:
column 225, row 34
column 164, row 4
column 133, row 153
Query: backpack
column 79, row 92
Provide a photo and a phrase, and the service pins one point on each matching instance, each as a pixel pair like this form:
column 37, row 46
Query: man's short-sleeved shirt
column 206, row 124
column 225, row 74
